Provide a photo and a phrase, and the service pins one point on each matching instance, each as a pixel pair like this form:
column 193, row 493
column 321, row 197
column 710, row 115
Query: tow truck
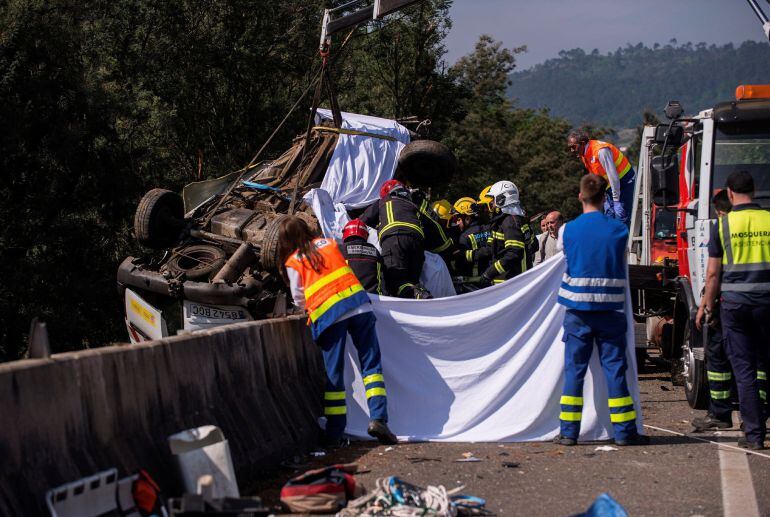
column 682, row 165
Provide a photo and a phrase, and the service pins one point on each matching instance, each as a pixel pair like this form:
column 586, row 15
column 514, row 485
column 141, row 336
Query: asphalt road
column 674, row 475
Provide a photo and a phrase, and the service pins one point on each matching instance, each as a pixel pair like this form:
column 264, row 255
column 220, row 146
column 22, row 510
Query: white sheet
column 482, row 367
column 361, row 164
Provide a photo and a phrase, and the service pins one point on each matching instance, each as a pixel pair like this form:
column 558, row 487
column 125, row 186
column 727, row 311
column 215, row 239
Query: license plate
column 200, row 316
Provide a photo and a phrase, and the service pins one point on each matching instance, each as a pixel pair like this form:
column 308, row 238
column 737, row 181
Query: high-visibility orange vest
column 594, row 166
column 330, row 292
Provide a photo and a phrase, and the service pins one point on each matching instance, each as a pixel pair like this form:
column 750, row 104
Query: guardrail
column 74, row 414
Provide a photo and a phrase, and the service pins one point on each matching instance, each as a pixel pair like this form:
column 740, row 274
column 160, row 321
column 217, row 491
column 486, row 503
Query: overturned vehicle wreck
column 215, row 247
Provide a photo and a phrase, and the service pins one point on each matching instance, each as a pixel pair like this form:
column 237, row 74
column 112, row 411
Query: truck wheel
column 159, row 218
column 641, row 360
column 693, row 371
column 426, row 163
column 268, row 255
column 197, row 262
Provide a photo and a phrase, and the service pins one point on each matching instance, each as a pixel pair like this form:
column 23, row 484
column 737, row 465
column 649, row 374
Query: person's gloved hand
column 620, row 212
column 485, row 281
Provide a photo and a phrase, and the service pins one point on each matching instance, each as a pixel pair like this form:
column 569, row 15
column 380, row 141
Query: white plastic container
column 204, row 451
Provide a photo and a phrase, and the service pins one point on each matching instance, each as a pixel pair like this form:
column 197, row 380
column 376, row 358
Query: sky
column 548, row 26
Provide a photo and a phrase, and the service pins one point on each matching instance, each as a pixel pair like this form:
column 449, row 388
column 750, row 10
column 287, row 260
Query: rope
column 726, row 446
column 396, row 498
column 352, row 132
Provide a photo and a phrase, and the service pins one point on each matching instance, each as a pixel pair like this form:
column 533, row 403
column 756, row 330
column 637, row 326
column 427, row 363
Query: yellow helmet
column 465, row 206
column 443, row 209
column 484, row 197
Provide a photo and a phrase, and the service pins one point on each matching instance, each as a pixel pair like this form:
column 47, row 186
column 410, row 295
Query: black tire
column 198, row 261
column 159, row 219
column 426, row 163
column 269, row 250
column 693, row 370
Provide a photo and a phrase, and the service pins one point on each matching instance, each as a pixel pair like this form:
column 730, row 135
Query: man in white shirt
column 548, row 245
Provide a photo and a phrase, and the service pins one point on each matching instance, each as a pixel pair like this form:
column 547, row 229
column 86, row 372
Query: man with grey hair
column 553, row 221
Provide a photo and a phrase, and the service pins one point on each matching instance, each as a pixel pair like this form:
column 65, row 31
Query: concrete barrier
column 78, row 413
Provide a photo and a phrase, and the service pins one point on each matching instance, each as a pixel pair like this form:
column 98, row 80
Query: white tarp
column 482, row 367
column 361, row 164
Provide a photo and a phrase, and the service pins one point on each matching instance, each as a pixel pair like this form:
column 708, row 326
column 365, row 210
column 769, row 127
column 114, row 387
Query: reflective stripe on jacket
column 330, row 292
column 745, row 236
column 594, row 166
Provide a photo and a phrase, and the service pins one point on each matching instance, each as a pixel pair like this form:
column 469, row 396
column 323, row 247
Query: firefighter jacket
column 510, row 244
column 329, row 294
column 472, row 248
column 397, row 214
column 366, row 262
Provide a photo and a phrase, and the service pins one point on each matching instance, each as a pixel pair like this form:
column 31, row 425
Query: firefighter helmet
column 390, row 186
column 465, row 206
column 355, row 228
column 485, row 198
column 504, row 193
column 443, row 209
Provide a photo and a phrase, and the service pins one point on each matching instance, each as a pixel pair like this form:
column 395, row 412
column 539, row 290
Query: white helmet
column 504, row 193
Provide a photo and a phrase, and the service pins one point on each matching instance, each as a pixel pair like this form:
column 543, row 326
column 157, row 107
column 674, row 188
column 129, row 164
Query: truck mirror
column 665, row 180
column 671, row 136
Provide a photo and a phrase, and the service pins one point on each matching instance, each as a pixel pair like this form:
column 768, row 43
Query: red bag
column 324, row 490
column 147, row 496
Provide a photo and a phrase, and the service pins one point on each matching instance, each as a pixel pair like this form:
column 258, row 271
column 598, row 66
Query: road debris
column 606, row 448
column 511, row 464
column 395, row 497
column 468, row 457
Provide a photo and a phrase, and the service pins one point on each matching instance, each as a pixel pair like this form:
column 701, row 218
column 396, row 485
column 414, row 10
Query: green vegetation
column 102, row 100
column 615, row 89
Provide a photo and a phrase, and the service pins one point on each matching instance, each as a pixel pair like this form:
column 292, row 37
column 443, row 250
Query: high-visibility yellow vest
column 745, row 236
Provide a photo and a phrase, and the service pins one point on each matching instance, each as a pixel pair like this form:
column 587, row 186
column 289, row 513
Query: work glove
column 485, row 281
column 620, row 212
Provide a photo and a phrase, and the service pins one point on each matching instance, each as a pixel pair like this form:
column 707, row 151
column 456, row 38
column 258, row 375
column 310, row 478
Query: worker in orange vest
column 607, row 161
column 323, row 284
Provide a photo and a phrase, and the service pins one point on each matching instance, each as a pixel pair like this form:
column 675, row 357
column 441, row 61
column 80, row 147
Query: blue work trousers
column 361, row 328
column 746, row 330
column 607, row 330
column 626, row 199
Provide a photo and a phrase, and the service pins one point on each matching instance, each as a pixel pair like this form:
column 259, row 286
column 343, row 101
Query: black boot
column 379, row 429
column 563, row 440
column 709, row 422
column 636, row 439
column 752, row 446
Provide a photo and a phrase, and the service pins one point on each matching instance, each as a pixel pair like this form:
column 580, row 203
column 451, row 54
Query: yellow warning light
column 752, row 91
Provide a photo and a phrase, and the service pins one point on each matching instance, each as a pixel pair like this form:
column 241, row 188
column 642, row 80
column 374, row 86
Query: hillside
column 614, row 89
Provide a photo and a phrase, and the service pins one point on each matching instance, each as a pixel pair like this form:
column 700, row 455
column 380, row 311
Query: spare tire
column 198, row 261
column 159, row 219
column 269, row 249
column 426, row 163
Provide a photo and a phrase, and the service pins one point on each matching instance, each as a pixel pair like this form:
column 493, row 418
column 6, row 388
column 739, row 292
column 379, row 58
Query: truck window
column 665, row 224
column 746, row 147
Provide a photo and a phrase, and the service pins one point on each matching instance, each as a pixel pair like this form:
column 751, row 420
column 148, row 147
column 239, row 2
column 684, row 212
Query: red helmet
column 355, row 228
column 388, row 186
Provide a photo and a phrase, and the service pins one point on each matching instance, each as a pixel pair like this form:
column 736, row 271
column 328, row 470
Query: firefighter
column 325, row 286
column 486, row 207
column 607, row 161
column 472, row 256
column 362, row 257
column 405, row 230
column 511, row 241
column 593, row 291
column 739, row 253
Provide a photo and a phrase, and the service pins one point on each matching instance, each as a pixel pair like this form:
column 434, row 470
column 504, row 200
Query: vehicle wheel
column 693, row 372
column 198, row 261
column 159, row 219
column 426, row 163
column 268, row 255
